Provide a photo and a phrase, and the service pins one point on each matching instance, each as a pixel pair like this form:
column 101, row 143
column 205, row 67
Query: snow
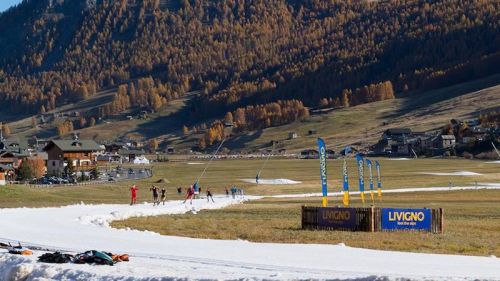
column 156, row 257
column 399, row 159
column 493, row 162
column 142, row 160
column 194, row 163
column 460, row 173
column 480, row 186
column 273, row 181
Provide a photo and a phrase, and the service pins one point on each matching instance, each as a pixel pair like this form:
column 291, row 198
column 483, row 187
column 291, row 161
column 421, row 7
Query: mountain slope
column 241, row 52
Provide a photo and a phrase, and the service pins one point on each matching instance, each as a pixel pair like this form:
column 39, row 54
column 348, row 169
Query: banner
column 337, row 218
column 369, row 165
column 346, row 184
column 411, row 219
column 360, row 164
column 322, row 166
column 379, row 182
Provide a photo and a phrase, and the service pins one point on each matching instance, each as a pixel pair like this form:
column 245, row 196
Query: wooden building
column 71, row 155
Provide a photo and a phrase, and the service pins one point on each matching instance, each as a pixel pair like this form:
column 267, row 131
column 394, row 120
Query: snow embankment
column 272, row 181
column 459, row 173
column 397, row 190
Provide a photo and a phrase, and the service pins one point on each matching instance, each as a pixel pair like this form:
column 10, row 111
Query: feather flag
column 360, row 163
column 322, row 166
column 379, row 182
column 346, row 184
column 369, row 165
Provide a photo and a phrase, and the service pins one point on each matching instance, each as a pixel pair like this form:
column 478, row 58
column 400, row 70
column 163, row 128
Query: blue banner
column 322, row 165
column 361, row 174
column 410, row 219
column 379, row 182
column 345, row 176
column 337, row 217
column 369, row 165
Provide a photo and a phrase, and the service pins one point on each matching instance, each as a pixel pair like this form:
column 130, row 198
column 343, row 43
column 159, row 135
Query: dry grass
column 222, row 174
column 472, row 224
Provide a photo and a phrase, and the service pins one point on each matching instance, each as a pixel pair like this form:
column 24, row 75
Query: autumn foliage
column 239, row 52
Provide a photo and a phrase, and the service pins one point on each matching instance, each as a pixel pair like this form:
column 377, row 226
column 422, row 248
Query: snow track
column 155, row 257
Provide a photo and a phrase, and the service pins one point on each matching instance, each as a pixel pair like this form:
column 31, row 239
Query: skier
column 209, row 195
column 196, row 190
column 163, row 196
column 133, row 194
column 189, row 195
column 154, row 190
column 227, row 192
column 179, row 190
column 233, row 191
column 257, row 178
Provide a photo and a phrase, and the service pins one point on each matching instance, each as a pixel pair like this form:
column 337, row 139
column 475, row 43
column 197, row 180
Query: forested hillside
column 240, row 52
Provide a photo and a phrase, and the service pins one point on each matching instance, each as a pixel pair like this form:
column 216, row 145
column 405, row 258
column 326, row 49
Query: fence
column 372, row 219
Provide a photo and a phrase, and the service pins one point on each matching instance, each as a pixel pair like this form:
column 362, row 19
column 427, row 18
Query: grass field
column 472, row 224
column 225, row 173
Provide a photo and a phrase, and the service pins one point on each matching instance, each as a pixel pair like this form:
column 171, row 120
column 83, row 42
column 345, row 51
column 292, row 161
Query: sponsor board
column 410, row 219
column 337, row 217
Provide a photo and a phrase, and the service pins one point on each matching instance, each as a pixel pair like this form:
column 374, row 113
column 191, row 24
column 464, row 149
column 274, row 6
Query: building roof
column 448, row 137
column 13, row 144
column 74, row 145
column 131, row 151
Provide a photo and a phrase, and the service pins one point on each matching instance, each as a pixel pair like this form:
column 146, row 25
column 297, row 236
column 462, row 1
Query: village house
column 131, row 154
column 108, row 158
column 115, row 147
column 10, row 163
column 71, row 155
column 444, row 141
column 309, row 154
column 394, row 142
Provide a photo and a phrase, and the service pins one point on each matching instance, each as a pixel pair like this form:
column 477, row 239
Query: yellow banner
column 325, row 201
column 346, row 198
column 363, row 197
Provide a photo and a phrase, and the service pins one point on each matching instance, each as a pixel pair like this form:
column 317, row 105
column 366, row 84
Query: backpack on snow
column 94, row 257
column 56, row 257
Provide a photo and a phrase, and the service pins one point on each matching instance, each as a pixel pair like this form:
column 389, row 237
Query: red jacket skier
column 133, row 194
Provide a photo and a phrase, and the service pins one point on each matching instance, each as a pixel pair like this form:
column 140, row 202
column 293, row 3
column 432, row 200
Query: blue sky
column 5, row 4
